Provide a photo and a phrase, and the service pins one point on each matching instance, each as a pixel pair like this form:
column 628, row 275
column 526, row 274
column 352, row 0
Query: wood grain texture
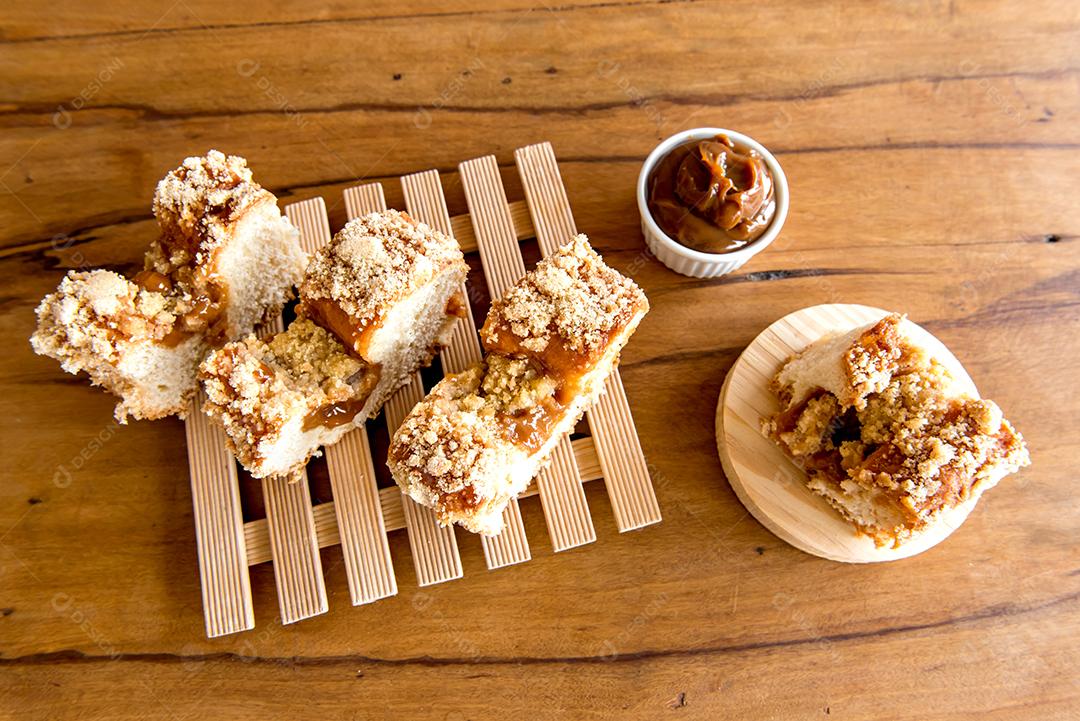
column 434, row 549
column 219, row 527
column 364, row 546
column 933, row 154
column 424, row 199
column 626, row 474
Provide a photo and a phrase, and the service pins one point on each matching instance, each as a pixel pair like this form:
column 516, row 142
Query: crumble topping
column 571, row 297
column 376, row 260
column 444, row 443
column 480, row 436
column 875, row 356
column 196, row 205
column 94, row 313
column 905, row 448
column 440, row 443
column 255, row 387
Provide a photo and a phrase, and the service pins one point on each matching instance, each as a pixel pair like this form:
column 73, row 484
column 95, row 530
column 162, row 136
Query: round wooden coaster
column 766, row 481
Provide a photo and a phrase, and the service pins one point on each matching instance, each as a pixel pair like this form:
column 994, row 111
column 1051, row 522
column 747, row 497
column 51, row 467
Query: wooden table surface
column 933, row 152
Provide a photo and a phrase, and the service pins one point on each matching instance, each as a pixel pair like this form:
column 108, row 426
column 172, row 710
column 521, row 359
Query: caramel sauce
column 355, row 336
column 456, row 307
column 712, row 195
column 175, row 337
column 339, row 413
column 264, row 373
column 334, row 414
column 207, row 315
column 153, row 281
column 531, row 428
column 558, row 361
column 457, row 502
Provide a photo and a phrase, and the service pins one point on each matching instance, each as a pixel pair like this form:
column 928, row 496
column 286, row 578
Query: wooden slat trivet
column 361, row 514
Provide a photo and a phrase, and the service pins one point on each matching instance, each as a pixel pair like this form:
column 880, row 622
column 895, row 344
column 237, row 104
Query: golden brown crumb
column 196, row 206
column 97, row 312
column 376, row 260
column 255, row 388
column 571, row 297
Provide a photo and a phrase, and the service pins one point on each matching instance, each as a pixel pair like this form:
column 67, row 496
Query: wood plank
column 626, row 473
column 365, row 548
column 435, row 554
column 219, row 527
column 933, row 151
column 566, row 510
column 294, row 548
column 294, row 543
column 424, row 199
column 76, row 20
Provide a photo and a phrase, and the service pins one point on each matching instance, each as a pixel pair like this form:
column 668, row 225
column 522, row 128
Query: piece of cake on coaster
column 226, row 260
column 481, row 435
column 884, row 433
column 376, row 303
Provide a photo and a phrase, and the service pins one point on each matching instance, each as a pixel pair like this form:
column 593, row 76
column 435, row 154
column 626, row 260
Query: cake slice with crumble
column 226, row 259
column 476, row 441
column 885, row 435
column 376, row 303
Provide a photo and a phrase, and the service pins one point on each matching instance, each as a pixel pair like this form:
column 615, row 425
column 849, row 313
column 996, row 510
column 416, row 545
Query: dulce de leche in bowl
column 710, row 199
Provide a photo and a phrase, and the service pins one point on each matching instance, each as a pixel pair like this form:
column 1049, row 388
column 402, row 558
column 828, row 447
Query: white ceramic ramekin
column 693, row 262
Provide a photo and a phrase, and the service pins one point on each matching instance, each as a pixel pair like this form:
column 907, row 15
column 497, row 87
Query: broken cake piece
column 476, row 441
column 226, row 259
column 377, row 302
column 884, row 433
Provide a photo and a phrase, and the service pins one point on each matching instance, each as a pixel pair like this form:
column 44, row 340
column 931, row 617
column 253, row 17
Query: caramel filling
column 345, row 411
column 712, row 195
column 456, row 306
column 461, row 501
column 207, row 312
column 153, row 281
column 354, row 335
column 558, row 360
column 532, row 428
column 334, row 414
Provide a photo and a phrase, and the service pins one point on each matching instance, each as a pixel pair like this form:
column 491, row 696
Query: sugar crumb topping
column 375, row 260
column 442, row 444
column 92, row 315
column 196, row 205
column 255, row 387
column 572, row 295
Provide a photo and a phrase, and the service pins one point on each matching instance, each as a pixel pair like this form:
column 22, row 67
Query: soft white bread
column 481, row 435
column 386, row 285
column 377, row 303
column 225, row 260
column 885, row 434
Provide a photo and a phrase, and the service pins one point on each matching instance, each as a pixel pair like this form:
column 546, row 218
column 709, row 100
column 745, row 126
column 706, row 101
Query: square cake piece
column 481, row 435
column 377, row 303
column 226, row 259
column 883, row 433
column 228, row 253
column 124, row 337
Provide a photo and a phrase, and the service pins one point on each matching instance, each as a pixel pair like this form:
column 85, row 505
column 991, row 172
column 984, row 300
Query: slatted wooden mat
column 360, row 514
